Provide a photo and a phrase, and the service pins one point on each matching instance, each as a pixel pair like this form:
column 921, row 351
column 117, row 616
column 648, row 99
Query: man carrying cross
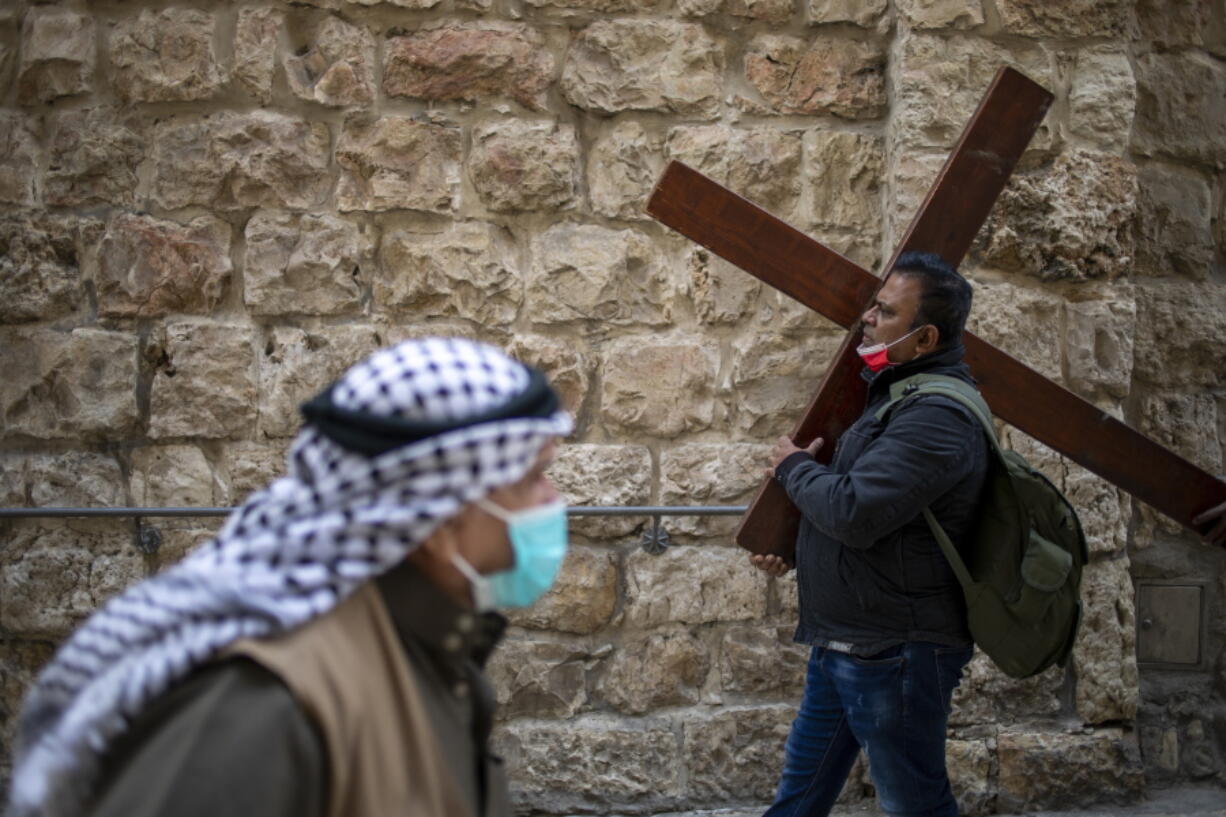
column 879, row 603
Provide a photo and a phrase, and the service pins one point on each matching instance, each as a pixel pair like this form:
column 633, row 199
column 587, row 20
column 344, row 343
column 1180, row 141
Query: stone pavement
column 1175, row 802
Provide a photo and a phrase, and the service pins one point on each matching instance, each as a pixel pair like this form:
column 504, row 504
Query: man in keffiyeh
column 322, row 656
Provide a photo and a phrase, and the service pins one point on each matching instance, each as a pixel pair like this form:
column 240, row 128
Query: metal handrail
column 655, row 539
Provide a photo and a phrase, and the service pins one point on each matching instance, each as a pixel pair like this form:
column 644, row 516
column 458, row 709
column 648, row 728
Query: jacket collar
column 947, row 361
column 426, row 616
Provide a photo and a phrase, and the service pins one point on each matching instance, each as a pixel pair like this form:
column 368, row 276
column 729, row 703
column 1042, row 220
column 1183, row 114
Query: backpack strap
column 968, row 396
column 951, row 387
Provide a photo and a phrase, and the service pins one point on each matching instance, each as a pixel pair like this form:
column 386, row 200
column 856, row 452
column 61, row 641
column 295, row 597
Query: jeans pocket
column 950, row 661
column 891, row 657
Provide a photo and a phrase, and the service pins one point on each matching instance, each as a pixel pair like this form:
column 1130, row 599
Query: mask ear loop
column 492, row 509
column 483, row 596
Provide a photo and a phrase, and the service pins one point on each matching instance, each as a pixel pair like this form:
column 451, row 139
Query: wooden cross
column 947, row 222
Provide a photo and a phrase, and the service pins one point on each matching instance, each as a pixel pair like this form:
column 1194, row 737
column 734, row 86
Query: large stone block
column 255, row 50
column 539, row 679
column 761, row 164
column 596, row 277
column 8, row 53
column 333, row 64
column 1104, row 510
column 53, row 576
column 1071, row 222
column 693, row 585
column 772, row 11
column 296, row 364
column 1174, row 233
column 710, row 474
column 94, row 156
column 864, row 13
column 1104, row 656
column 305, row 264
column 1055, row 771
column 563, row 361
column 603, row 475
column 843, row 174
column 1103, row 96
column 40, row 266
column 591, row 764
column 969, row 763
column 19, row 159
column 164, row 56
column 66, row 480
column 518, row 165
column 1178, row 334
column 655, row 670
column 827, row 75
column 57, row 54
column 622, row 169
column 644, row 65
column 203, row 381
column 179, row 538
column 1167, row 24
column 582, row 598
column 1186, row 424
column 910, row 176
column 1181, row 108
column 1072, row 18
column 576, row 7
column 938, row 83
column 941, row 14
column 148, row 267
column 1019, row 320
column 246, row 467
column 986, row 696
column 471, row 61
column 470, row 271
column 722, row 294
column 1098, row 344
column 20, row 663
column 736, row 754
column 773, row 378
column 398, row 163
column 756, row 660
column 234, row 161
column 68, row 384
column 659, row 386
column 166, row 476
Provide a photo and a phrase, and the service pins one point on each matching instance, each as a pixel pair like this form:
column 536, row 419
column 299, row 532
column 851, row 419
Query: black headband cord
column 374, row 434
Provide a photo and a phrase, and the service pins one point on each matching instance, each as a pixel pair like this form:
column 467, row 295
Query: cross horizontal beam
column 746, row 235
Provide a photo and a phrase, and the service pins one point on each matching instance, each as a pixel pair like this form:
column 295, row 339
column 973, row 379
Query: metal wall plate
column 1171, row 624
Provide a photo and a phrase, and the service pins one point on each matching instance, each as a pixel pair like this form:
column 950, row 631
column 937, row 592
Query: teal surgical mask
column 538, row 541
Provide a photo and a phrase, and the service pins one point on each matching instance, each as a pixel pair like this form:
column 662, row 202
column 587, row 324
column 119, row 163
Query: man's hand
column 785, row 448
column 770, row 565
column 1217, row 534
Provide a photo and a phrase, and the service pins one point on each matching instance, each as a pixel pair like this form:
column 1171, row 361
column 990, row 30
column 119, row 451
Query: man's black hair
column 945, row 296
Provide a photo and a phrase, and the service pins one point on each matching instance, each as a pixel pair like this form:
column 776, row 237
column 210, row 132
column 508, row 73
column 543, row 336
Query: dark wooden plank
column 1090, row 437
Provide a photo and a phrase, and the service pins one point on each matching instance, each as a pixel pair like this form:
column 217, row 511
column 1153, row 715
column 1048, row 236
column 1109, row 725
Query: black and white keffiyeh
column 290, row 553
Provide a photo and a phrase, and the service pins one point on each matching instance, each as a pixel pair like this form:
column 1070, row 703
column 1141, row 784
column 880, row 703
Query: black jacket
column 869, row 571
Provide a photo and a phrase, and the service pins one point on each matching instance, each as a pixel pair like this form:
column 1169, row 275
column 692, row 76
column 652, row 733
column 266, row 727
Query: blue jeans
column 894, row 705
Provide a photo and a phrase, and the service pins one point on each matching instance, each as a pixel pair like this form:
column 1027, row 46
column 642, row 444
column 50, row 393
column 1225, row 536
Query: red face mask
column 877, row 356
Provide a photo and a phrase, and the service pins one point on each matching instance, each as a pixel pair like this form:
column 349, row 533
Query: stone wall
column 207, row 211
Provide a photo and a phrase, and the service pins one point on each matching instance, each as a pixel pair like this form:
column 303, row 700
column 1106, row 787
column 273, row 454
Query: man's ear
column 929, row 339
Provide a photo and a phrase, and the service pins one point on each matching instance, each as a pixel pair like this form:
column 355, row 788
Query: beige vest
column 348, row 671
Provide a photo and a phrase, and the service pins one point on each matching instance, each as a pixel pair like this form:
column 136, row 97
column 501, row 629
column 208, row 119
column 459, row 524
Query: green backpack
column 1024, row 554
